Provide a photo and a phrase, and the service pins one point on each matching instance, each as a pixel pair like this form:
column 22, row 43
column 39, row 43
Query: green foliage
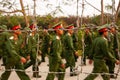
column 48, row 20
column 44, row 21
column 96, row 20
column 11, row 21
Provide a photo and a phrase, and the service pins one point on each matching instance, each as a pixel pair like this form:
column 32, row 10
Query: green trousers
column 99, row 67
column 22, row 75
column 54, row 66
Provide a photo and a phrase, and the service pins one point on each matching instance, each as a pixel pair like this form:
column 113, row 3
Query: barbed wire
column 38, row 30
column 77, row 71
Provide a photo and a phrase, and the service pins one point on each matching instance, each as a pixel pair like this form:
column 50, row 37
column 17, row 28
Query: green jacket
column 56, row 49
column 116, row 44
column 100, row 50
column 32, row 46
column 75, row 40
column 9, row 54
column 46, row 43
column 110, row 42
column 115, row 41
column 68, row 42
column 88, row 42
column 18, row 44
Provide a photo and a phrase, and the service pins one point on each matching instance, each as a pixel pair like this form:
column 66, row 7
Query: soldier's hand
column 28, row 57
column 63, row 65
column 23, row 60
column 90, row 61
column 76, row 53
column 117, row 62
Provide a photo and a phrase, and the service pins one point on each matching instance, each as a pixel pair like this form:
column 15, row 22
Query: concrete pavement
column 44, row 69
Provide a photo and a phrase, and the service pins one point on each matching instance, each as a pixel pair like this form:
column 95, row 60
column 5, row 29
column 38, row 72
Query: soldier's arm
column 56, row 52
column 106, row 52
column 70, row 43
column 11, row 51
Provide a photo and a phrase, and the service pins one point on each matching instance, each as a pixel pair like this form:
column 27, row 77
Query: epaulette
column 57, row 37
column 11, row 38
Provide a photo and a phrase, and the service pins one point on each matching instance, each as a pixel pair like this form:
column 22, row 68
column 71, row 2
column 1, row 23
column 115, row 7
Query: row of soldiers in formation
column 20, row 51
column 104, row 51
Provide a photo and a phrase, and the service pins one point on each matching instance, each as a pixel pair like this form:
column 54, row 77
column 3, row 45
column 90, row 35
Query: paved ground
column 44, row 69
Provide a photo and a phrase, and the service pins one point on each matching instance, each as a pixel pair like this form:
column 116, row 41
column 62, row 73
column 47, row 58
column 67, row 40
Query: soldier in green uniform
column 2, row 27
column 69, row 49
column 75, row 42
column 99, row 53
column 87, row 43
column 17, row 39
column 11, row 59
column 115, row 40
column 32, row 51
column 45, row 44
column 113, row 48
column 94, row 32
column 55, row 60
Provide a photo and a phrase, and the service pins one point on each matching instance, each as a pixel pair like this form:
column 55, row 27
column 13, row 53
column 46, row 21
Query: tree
column 102, row 14
column 23, row 12
column 117, row 12
column 9, row 5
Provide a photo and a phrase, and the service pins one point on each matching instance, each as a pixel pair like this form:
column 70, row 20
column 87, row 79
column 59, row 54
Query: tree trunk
column 117, row 12
column 24, row 14
column 102, row 14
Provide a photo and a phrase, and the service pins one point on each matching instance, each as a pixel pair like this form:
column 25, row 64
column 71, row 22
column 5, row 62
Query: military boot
column 36, row 75
column 73, row 72
column 113, row 76
column 36, row 72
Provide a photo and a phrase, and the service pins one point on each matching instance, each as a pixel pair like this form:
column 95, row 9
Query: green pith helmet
column 70, row 26
column 114, row 26
column 103, row 28
column 57, row 26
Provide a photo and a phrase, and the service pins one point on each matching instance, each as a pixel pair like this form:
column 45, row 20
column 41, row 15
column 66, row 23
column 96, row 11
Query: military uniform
column 11, row 59
column 69, row 51
column 113, row 46
column 32, row 52
column 2, row 27
column 88, row 44
column 17, row 40
column 55, row 60
column 75, row 42
column 45, row 45
column 99, row 53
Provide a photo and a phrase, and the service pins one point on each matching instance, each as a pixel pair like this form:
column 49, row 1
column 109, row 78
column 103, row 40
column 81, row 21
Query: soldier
column 2, row 27
column 87, row 43
column 69, row 50
column 75, row 42
column 113, row 48
column 11, row 59
column 17, row 39
column 55, row 61
column 45, row 44
column 115, row 41
column 99, row 53
column 32, row 51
